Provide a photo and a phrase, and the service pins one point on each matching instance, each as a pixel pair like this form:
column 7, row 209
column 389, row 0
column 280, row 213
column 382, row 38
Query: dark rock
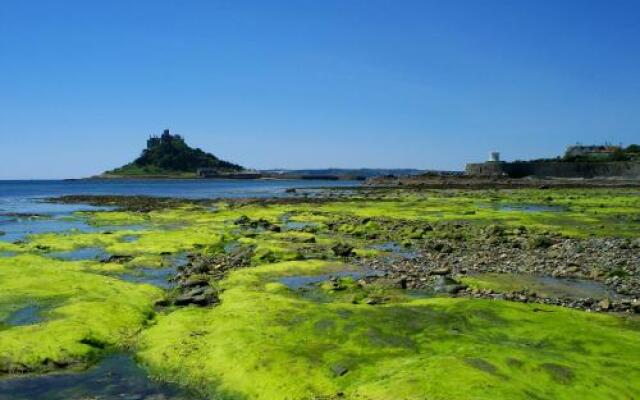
column 162, row 303
column 447, row 285
column 199, row 296
column 441, row 271
column 402, row 283
column 604, row 304
column 339, row 370
column 242, row 220
column 494, row 230
column 541, row 242
column 442, row 247
column 343, row 250
column 195, row 281
column 118, row 259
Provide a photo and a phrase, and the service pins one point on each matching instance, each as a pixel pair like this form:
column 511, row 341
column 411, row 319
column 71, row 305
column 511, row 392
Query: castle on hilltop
column 166, row 137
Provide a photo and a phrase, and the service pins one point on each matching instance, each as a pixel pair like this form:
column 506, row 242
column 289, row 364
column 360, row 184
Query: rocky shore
column 450, row 181
column 443, row 265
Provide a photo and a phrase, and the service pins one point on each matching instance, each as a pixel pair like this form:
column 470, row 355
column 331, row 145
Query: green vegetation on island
column 169, row 156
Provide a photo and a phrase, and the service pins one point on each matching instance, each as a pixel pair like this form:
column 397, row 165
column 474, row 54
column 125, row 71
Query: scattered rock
column 447, row 285
column 117, row 258
column 441, row 271
column 494, row 230
column 262, row 223
column 613, row 261
column 339, row 370
column 540, row 242
column 200, row 296
column 342, row 250
column 604, row 304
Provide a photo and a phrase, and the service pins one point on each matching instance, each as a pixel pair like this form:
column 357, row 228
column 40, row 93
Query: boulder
column 447, row 285
column 200, row 296
column 343, row 250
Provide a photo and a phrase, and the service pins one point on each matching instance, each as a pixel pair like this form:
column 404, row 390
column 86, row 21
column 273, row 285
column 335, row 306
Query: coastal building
column 591, row 151
column 579, row 162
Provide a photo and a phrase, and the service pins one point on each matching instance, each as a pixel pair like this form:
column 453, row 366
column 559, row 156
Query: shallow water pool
column 115, row 377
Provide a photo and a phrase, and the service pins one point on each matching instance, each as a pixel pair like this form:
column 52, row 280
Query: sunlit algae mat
column 299, row 299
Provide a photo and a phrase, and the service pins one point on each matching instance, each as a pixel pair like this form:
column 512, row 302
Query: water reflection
column 115, row 377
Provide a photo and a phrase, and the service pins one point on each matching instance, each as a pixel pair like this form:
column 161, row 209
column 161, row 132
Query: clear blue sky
column 300, row 84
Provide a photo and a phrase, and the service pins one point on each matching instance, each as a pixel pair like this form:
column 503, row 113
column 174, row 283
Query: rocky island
column 169, row 156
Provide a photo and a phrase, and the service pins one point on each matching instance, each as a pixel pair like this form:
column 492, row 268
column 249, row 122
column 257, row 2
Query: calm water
column 18, row 198
column 209, row 188
column 116, row 377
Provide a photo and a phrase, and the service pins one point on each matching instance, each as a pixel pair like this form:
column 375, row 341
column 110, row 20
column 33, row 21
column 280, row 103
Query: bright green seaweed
column 86, row 313
column 266, row 341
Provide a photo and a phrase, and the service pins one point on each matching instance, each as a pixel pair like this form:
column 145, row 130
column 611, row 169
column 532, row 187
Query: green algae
column 87, row 313
column 10, row 247
column 68, row 241
column 581, row 212
column 266, row 342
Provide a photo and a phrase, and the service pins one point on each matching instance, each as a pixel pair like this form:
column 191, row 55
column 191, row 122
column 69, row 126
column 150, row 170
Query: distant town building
column 592, row 151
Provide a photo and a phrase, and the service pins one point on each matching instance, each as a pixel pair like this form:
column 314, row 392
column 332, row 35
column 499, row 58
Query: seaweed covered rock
column 260, row 223
column 342, row 250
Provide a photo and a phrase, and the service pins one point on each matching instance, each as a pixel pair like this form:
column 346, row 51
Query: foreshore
column 474, row 182
column 346, row 287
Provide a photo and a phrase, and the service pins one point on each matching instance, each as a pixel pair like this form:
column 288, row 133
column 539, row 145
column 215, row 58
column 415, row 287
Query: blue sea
column 19, row 198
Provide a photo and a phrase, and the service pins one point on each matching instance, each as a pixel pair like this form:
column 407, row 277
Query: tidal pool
column 28, row 315
column 529, row 207
column 115, row 377
column 395, row 248
column 159, row 277
column 85, row 253
column 298, row 282
column 544, row 285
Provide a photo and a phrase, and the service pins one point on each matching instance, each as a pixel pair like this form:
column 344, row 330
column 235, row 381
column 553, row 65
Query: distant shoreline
column 222, row 177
